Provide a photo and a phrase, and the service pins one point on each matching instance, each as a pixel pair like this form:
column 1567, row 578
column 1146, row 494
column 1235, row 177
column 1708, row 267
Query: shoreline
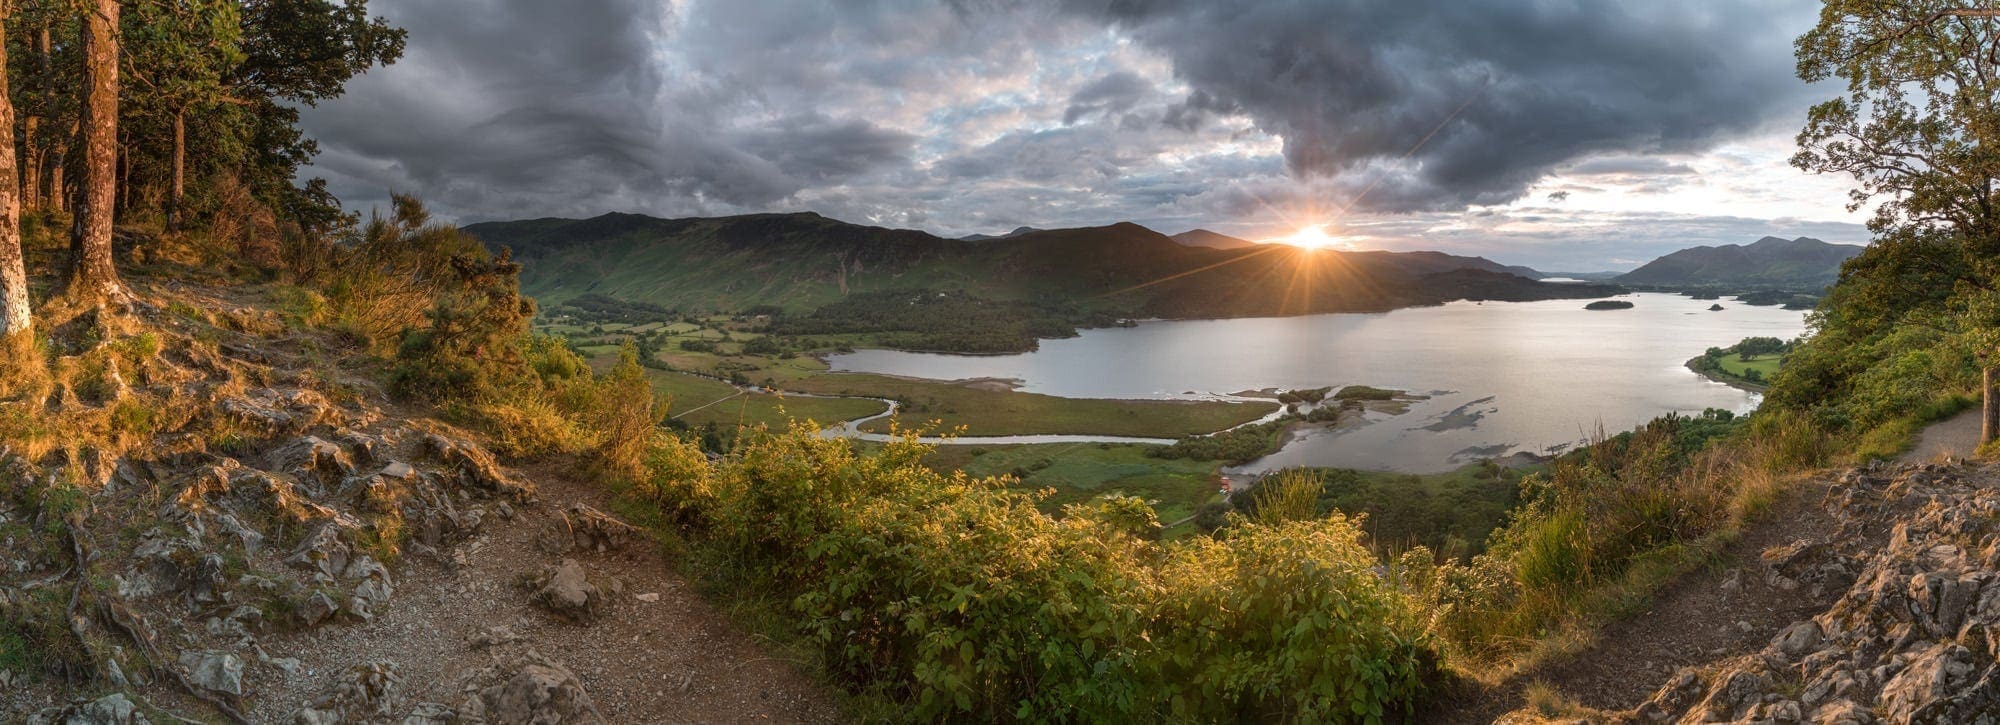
column 1729, row 380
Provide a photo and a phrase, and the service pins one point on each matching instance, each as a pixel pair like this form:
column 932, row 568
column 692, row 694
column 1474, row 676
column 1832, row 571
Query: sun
column 1311, row 236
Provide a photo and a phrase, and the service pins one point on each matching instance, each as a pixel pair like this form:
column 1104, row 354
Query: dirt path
column 662, row 654
column 1730, row 608
column 1955, row 437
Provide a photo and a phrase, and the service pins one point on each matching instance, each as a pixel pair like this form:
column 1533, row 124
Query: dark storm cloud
column 1113, row 93
column 983, row 115
column 1349, row 82
column 506, row 107
column 1628, row 166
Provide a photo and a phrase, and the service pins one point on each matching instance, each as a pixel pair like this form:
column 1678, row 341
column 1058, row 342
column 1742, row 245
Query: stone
column 589, row 529
column 566, row 591
column 276, row 412
column 527, row 688
column 112, row 709
column 431, row 713
column 495, row 636
column 1798, row 639
column 217, row 671
column 312, row 457
column 369, row 692
column 476, row 468
column 317, row 609
column 324, row 550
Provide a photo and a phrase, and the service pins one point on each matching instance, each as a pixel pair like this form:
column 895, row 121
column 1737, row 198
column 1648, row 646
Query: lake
column 1502, row 376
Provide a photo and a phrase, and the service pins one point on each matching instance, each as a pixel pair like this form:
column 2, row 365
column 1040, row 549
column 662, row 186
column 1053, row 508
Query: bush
column 956, row 597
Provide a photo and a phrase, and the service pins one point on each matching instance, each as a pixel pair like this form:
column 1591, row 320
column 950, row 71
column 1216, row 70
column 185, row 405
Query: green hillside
column 1802, row 263
column 800, row 263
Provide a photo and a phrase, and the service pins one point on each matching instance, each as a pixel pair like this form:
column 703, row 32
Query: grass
column 1082, row 471
column 986, row 412
column 1765, row 365
column 699, row 401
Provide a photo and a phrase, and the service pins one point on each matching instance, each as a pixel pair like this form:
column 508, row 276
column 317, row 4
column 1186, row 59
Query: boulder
column 314, row 458
column 217, row 671
column 567, row 592
column 476, row 468
column 317, row 609
column 527, row 688
column 324, row 550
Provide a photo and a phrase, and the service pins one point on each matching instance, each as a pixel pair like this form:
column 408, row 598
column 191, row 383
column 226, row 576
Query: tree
column 14, row 319
column 176, row 55
column 1918, row 128
column 92, row 277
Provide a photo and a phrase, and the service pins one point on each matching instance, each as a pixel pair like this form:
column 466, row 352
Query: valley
column 1087, row 415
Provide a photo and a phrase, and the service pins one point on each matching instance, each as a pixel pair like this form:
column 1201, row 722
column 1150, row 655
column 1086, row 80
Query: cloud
column 1113, row 93
column 1484, row 98
column 982, row 115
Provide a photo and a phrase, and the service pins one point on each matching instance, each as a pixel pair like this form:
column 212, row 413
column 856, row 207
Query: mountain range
column 802, row 262
column 1206, row 238
column 1769, row 262
column 1018, row 231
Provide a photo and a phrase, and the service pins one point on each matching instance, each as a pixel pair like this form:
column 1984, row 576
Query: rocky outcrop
column 1914, row 635
column 374, row 693
column 286, row 528
column 112, row 709
column 590, row 530
column 526, row 687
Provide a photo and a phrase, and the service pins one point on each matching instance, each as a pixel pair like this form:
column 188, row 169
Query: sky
column 1569, row 135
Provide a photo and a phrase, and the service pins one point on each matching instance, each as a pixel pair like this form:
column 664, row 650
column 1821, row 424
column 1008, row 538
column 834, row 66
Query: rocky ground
column 251, row 577
column 1890, row 570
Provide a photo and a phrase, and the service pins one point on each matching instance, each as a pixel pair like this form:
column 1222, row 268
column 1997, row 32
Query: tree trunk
column 124, row 178
column 58, row 186
column 180, row 164
column 1989, row 419
column 15, row 322
column 31, row 177
column 92, row 276
column 32, row 154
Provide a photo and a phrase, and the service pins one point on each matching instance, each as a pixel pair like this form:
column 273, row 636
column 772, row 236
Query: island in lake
column 1609, row 305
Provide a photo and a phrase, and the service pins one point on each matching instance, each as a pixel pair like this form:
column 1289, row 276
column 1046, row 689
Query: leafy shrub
column 956, row 597
column 1284, row 622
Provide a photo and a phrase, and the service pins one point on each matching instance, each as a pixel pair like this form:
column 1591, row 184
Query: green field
column 1082, row 471
column 699, row 401
column 990, row 412
column 1765, row 365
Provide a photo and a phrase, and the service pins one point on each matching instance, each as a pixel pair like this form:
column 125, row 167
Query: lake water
column 1502, row 376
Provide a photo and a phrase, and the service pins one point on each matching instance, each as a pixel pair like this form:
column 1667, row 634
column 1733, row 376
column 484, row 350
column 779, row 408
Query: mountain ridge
column 803, row 261
column 1206, row 238
column 1772, row 261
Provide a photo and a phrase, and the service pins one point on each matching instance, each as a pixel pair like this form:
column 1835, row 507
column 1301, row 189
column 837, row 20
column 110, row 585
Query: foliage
column 1449, row 513
column 1898, row 338
column 466, row 343
column 603, row 308
column 957, row 597
column 231, row 76
column 1238, row 445
column 1363, row 392
column 942, row 321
